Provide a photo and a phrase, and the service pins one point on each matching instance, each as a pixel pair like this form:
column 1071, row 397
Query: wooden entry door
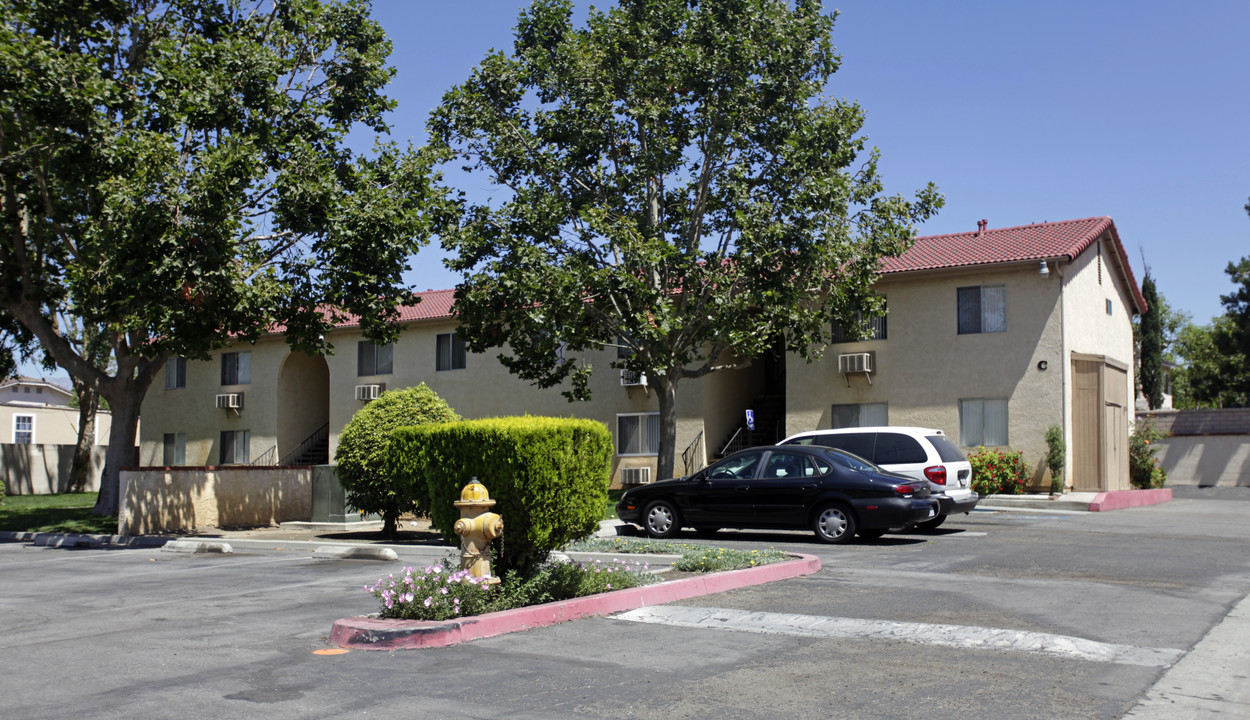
column 1099, row 424
column 1087, row 403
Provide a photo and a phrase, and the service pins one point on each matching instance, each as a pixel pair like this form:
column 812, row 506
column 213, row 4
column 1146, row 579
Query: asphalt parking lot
column 999, row 615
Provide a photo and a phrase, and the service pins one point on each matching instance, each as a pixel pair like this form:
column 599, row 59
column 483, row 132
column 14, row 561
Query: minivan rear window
column 860, row 444
column 947, row 450
column 898, row 449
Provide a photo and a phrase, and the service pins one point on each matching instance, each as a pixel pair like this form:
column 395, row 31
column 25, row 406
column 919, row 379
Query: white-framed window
column 982, row 309
column 860, row 415
column 638, row 434
column 374, row 359
column 175, row 449
column 236, row 368
column 234, row 447
column 23, row 429
column 450, row 352
column 983, row 421
column 175, row 373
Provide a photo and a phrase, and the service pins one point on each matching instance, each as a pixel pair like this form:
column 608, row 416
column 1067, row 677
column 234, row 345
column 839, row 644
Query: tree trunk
column 88, row 404
column 125, row 407
column 666, row 392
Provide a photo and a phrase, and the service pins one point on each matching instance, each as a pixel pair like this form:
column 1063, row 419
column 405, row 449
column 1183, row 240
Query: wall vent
column 855, row 363
column 635, row 476
column 369, row 392
column 633, row 379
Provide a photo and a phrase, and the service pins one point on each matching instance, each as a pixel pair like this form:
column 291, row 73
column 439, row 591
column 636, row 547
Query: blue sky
column 1019, row 112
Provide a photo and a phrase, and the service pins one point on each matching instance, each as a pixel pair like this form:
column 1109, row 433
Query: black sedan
column 832, row 492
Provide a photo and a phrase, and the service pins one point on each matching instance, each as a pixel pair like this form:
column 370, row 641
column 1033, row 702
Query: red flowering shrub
column 1143, row 467
column 998, row 471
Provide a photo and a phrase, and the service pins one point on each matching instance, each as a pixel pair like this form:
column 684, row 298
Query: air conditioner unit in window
column 369, row 392
column 635, row 476
column 855, row 363
column 230, row 401
column 633, row 379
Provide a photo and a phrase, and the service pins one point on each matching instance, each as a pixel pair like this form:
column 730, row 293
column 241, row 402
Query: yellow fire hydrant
column 476, row 528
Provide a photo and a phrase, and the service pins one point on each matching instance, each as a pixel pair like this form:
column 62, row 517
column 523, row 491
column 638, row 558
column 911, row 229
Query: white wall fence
column 44, row 469
column 1204, row 448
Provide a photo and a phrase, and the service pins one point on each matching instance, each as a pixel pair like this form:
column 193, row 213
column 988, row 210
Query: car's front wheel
column 933, row 524
column 834, row 524
column 660, row 519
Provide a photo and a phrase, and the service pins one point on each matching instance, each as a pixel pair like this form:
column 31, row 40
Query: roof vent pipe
column 981, row 226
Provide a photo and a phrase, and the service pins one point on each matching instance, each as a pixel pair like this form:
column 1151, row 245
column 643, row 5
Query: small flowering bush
column 998, row 471
column 1143, row 467
column 435, row 594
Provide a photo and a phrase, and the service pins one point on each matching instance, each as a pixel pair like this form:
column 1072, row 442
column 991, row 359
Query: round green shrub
column 364, row 445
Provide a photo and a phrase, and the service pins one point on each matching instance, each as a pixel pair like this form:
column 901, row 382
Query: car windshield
column 947, row 450
column 850, row 461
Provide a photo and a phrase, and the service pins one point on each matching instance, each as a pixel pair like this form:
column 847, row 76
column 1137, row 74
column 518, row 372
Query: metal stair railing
column 321, row 434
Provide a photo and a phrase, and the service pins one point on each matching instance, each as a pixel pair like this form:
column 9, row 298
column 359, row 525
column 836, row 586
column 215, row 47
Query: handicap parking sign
column 750, row 419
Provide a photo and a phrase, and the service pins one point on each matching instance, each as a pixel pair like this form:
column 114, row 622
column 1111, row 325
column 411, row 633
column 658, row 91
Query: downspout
column 1065, row 377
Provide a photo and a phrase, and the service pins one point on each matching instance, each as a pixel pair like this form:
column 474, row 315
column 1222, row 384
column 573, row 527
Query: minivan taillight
column 936, row 474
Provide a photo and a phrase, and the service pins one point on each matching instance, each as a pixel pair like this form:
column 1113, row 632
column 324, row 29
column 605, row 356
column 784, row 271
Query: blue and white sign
column 750, row 419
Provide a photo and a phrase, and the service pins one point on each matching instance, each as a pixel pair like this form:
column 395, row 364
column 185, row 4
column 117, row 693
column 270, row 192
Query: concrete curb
column 355, row 552
column 197, row 546
column 367, row 633
column 83, row 541
column 1121, row 499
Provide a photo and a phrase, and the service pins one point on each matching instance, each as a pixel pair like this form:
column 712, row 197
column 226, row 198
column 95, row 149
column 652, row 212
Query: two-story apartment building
column 991, row 335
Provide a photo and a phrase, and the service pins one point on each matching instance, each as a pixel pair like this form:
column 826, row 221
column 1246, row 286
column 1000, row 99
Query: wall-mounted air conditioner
column 230, row 401
column 633, row 379
column 635, row 476
column 369, row 392
column 855, row 363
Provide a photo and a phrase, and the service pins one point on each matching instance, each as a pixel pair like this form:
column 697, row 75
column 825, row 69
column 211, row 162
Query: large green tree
column 1150, row 356
column 671, row 180
column 175, row 173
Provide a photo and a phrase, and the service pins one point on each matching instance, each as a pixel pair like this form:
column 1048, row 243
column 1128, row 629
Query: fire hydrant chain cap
column 474, row 492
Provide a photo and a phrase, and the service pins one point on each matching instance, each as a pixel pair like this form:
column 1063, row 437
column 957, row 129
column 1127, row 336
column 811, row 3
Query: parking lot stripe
column 959, row 636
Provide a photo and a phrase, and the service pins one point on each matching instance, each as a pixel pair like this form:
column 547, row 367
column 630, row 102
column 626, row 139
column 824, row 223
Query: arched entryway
column 303, row 410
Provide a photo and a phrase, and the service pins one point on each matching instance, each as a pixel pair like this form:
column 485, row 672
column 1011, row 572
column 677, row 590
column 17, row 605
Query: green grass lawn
column 67, row 513
column 609, row 511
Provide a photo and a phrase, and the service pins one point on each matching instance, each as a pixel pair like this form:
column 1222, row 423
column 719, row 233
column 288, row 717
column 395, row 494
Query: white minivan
column 920, row 453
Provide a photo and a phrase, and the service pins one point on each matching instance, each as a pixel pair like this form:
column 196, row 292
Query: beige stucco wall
column 483, row 389
column 158, row 500
column 45, row 469
column 54, row 425
column 1090, row 281
column 924, row 366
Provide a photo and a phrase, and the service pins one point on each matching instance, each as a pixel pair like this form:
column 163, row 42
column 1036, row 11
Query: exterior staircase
column 314, row 450
column 770, row 415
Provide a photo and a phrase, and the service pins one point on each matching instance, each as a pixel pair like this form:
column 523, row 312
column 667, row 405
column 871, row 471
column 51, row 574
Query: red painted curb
column 366, row 633
column 1121, row 499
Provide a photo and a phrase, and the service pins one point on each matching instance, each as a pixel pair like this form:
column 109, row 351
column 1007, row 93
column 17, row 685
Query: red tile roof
column 433, row 305
column 1063, row 240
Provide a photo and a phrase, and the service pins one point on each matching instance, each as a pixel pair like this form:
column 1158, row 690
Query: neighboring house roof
column 57, row 394
column 1063, row 240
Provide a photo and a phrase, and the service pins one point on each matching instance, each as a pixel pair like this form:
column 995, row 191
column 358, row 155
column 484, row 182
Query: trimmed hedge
column 548, row 476
column 364, row 446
